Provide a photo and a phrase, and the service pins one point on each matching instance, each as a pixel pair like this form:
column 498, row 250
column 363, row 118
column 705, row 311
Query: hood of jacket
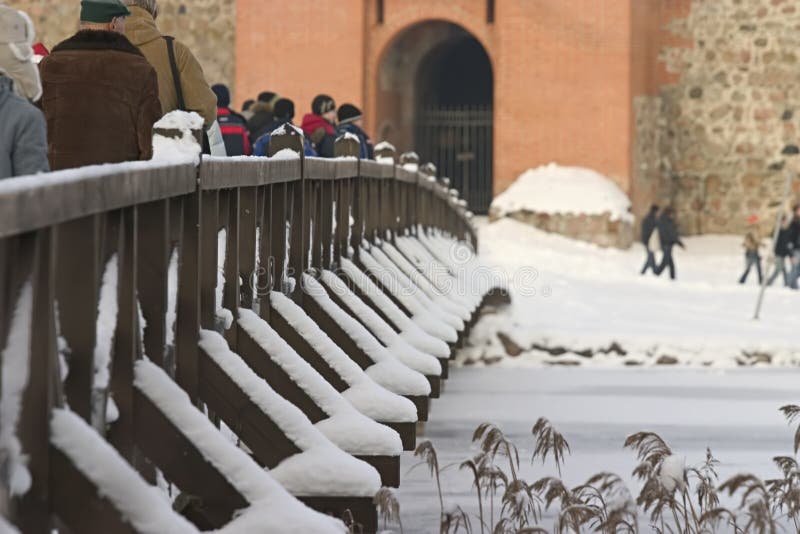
column 311, row 123
column 140, row 27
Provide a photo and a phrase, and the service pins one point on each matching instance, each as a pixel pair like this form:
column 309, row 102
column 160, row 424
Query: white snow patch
column 284, row 154
column 346, row 427
column 410, row 331
column 107, row 309
column 395, row 344
column 141, row 504
column 387, row 370
column 16, row 369
column 322, row 468
column 573, row 190
column 182, row 149
column 368, row 397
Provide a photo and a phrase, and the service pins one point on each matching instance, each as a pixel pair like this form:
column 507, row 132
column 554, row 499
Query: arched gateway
column 435, row 89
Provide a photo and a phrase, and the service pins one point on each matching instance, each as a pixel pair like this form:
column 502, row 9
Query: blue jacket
column 366, row 145
column 261, row 145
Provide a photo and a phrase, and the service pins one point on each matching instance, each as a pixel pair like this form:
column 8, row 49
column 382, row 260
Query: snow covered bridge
column 233, row 345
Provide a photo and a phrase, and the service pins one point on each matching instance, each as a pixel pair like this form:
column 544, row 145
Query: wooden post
column 208, row 268
column 187, row 322
column 248, row 202
column 32, row 511
column 230, row 291
column 126, row 338
column 77, row 287
column 152, row 264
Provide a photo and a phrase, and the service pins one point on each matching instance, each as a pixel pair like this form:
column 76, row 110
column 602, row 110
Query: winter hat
column 348, row 113
column 322, row 104
column 223, row 95
column 102, row 11
column 16, row 53
column 284, row 109
column 39, row 53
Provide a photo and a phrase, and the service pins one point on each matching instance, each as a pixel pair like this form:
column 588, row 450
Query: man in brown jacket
column 142, row 31
column 100, row 95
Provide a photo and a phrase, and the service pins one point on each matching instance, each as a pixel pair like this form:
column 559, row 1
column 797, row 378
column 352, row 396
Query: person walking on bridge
column 23, row 137
column 100, row 95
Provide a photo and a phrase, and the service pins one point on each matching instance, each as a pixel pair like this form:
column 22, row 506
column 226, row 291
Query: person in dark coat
column 794, row 242
column 668, row 234
column 23, row 137
column 351, row 121
column 648, row 230
column 284, row 113
column 320, row 125
column 262, row 114
column 100, row 95
column 232, row 125
column 782, row 251
column 752, row 256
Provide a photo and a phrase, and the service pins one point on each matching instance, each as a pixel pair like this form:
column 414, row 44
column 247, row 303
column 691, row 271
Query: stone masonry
column 207, row 27
column 711, row 143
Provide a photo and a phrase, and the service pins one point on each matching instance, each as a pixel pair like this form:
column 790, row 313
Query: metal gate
column 458, row 140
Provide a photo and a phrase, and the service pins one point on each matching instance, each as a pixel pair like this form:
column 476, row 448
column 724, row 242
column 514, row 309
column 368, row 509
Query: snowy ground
column 576, row 297
column 735, row 412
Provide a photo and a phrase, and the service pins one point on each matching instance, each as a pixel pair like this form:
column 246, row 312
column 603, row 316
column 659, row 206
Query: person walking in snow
column 351, row 121
column 100, row 95
column 794, row 242
column 669, row 237
column 320, row 125
column 233, row 125
column 752, row 255
column 650, row 238
column 782, row 250
column 182, row 84
column 23, row 136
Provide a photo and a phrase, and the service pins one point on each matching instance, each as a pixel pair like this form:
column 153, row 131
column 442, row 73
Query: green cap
column 102, row 11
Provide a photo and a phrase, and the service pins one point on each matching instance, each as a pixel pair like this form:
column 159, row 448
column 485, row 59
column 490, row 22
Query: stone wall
column 206, row 26
column 714, row 145
column 597, row 229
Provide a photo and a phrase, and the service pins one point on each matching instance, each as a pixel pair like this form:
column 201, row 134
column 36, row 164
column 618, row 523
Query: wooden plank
column 248, row 216
column 298, row 248
column 326, row 215
column 230, row 291
column 32, row 512
column 387, row 466
column 223, row 396
column 31, row 203
column 209, row 260
column 77, row 287
column 126, row 339
column 279, row 210
column 183, row 464
column 77, row 502
column 187, row 323
column 265, row 260
column 306, row 351
column 264, row 366
column 314, row 210
column 152, row 265
column 338, row 335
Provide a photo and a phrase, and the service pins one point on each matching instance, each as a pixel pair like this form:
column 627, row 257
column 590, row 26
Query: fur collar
column 97, row 40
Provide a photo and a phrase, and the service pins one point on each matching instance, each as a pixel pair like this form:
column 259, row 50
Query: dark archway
column 435, row 96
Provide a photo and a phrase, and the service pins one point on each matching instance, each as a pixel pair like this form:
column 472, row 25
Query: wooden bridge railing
column 58, row 235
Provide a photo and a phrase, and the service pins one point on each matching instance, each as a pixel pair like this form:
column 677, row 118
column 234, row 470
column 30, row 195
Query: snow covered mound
column 554, row 189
